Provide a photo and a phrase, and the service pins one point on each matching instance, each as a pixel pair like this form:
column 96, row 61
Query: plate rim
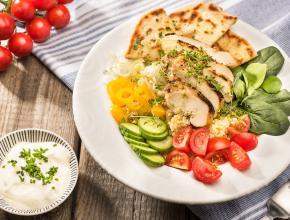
column 123, row 180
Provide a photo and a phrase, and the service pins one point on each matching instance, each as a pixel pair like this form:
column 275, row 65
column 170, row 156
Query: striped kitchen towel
column 91, row 19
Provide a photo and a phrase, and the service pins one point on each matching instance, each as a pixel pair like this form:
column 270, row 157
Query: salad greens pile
column 258, row 93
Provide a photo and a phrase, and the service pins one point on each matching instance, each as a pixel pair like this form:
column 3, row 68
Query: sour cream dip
column 34, row 175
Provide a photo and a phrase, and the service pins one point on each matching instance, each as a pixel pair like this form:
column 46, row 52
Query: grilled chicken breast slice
column 188, row 101
column 224, row 86
column 171, row 42
column 177, row 70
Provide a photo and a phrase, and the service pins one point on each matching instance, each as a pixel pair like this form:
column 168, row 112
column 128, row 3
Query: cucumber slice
column 139, row 143
column 130, row 128
column 154, row 160
column 162, row 146
column 154, row 137
column 145, row 150
column 132, row 136
column 152, row 125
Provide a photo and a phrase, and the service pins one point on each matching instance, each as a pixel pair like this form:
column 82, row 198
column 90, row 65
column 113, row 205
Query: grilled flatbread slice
column 145, row 41
column 238, row 47
column 204, row 22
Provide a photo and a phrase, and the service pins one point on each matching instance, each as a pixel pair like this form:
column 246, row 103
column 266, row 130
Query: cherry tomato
column 7, row 26
column 242, row 125
column 58, row 16
column 217, row 143
column 23, row 10
column 179, row 160
column 238, row 157
column 44, row 5
column 218, row 157
column 205, row 171
column 39, row 29
column 33, row 2
column 5, row 58
column 64, row 1
column 198, row 141
column 181, row 139
column 246, row 140
column 20, row 44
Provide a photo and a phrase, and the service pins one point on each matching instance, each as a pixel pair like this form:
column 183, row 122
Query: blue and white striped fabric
column 64, row 52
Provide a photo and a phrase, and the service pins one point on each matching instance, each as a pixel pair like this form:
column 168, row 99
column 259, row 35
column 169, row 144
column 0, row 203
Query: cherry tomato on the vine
column 20, row 44
column 7, row 26
column 64, row 1
column 23, row 10
column 58, row 16
column 5, row 58
column 44, row 5
column 39, row 29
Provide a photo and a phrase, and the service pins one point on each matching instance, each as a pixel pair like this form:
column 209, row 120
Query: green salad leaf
column 280, row 100
column 268, row 112
column 267, row 119
column 270, row 56
column 272, row 84
column 239, row 89
column 254, row 76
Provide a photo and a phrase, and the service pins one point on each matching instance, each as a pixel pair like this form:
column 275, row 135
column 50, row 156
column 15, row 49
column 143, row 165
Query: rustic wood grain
column 33, row 97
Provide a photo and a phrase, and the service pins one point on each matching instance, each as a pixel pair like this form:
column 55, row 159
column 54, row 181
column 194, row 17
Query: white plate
column 100, row 134
column 36, row 136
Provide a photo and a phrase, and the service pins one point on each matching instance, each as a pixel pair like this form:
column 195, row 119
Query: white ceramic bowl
column 101, row 136
column 38, row 135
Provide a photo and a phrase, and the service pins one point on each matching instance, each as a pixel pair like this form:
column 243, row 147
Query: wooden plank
column 100, row 196
column 31, row 96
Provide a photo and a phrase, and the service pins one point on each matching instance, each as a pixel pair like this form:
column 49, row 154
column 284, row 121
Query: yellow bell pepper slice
column 115, row 85
column 143, row 94
column 124, row 96
column 159, row 111
column 134, row 105
column 118, row 113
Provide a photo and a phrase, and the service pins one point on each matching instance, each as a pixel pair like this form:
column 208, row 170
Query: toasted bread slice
column 238, row 47
column 145, row 41
column 204, row 22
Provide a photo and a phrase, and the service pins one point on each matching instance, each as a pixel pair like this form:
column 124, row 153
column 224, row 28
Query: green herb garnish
column 38, row 153
column 197, row 60
column 12, row 162
column 173, row 53
column 156, row 101
column 161, row 53
column 32, row 169
column 216, row 85
column 136, row 44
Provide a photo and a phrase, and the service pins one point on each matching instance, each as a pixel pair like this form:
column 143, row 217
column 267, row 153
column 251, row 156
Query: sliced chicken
column 177, row 66
column 221, row 71
column 224, row 86
column 188, row 101
column 171, row 42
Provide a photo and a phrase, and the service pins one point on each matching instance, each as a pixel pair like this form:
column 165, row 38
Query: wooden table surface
column 32, row 97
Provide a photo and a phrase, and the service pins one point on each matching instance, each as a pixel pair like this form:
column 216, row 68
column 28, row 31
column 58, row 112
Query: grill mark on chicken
column 203, row 98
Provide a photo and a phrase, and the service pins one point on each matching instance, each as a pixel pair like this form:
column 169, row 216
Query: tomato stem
column 6, row 4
